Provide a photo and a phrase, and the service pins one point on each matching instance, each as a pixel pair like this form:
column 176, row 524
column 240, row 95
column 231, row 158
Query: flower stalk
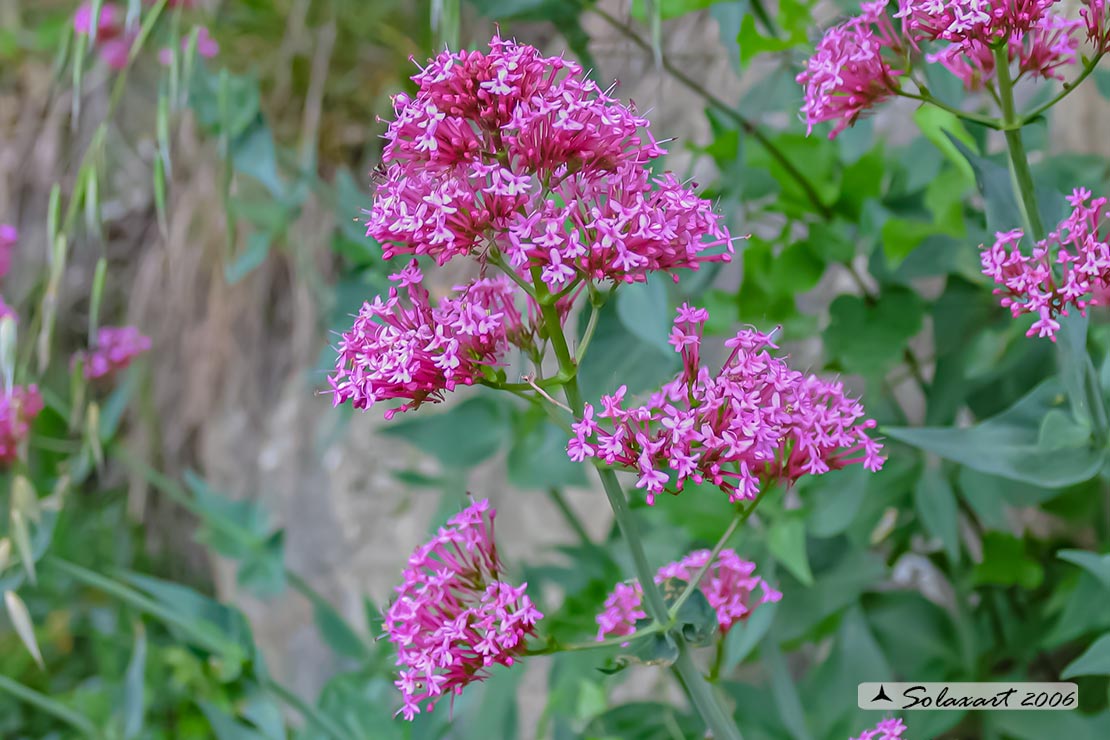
column 701, row 693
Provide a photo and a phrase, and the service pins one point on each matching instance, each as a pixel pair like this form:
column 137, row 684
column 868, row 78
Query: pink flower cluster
column 754, row 421
column 857, row 63
column 115, row 348
column 17, row 410
column 959, row 21
column 849, row 72
column 1070, row 267
column 508, row 152
column 113, row 41
column 728, row 586
column 9, row 236
column 1094, row 16
column 454, row 617
column 888, row 729
column 418, row 351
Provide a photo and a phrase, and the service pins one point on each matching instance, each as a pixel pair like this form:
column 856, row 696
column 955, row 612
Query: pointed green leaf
column 787, row 542
column 1011, row 444
column 936, row 505
column 24, row 627
column 1095, row 660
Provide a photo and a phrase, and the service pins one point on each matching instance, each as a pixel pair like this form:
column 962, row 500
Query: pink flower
column 1094, row 19
column 206, row 47
column 728, row 586
column 509, row 154
column 116, row 52
column 888, row 729
column 417, row 352
column 754, row 421
column 109, row 23
column 1069, row 268
column 849, row 73
column 114, row 350
column 17, row 410
column 1050, row 43
column 9, row 236
column 982, row 21
column 454, row 617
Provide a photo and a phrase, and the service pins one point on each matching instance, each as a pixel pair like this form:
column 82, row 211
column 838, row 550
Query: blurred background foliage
column 862, row 249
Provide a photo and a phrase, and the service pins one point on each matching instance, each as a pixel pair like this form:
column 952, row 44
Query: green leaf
column 833, row 499
column 1095, row 660
column 258, row 248
column 787, row 542
column 1097, row 565
column 902, row 236
column 936, row 505
column 658, row 649
column 785, row 692
column 1005, row 563
column 668, row 9
column 696, row 619
column 262, row 572
column 461, row 437
column 868, row 338
column 253, row 153
column 618, row 357
column 743, row 638
column 645, row 312
column 938, row 125
column 643, row 721
column 133, row 698
column 1102, row 82
column 24, row 627
column 1011, row 444
column 538, row 455
column 226, row 727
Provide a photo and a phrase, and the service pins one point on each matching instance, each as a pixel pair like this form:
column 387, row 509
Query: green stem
column 569, row 516
column 693, row 583
column 973, row 117
column 553, row 646
column 53, row 707
column 718, row 721
column 1019, row 162
column 1068, row 88
column 701, row 694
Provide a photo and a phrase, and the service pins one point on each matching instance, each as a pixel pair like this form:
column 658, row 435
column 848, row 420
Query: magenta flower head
column 109, row 23
column 507, row 154
column 960, row 21
column 454, row 617
column 851, row 70
column 17, row 410
column 1094, row 15
column 415, row 351
column 888, row 729
column 729, row 586
column 9, row 236
column 753, row 422
column 1068, row 268
column 114, row 350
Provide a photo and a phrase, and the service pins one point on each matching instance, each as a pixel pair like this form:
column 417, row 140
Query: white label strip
column 963, row 696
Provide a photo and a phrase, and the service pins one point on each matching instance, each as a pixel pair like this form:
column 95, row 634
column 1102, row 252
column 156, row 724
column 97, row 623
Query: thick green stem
column 1019, row 162
column 50, row 706
column 701, row 693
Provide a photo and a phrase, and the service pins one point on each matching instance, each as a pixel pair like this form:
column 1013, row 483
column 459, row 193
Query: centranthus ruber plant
column 524, row 165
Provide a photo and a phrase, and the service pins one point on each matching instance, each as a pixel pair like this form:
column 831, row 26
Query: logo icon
column 881, row 696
